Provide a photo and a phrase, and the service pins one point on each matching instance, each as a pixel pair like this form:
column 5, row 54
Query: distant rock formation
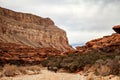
column 117, row 29
column 31, row 30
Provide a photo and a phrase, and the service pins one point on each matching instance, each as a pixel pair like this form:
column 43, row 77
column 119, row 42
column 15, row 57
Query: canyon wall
column 31, row 30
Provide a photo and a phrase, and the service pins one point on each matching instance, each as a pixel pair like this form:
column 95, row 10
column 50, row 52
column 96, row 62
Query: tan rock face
column 31, row 30
column 117, row 29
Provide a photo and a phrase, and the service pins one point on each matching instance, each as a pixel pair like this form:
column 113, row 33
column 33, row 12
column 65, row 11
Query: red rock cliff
column 107, row 44
column 31, row 30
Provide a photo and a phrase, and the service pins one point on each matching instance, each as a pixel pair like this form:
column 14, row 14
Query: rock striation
column 31, row 30
column 117, row 29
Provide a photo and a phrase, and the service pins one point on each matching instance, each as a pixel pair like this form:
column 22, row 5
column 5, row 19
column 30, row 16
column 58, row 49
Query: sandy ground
column 48, row 75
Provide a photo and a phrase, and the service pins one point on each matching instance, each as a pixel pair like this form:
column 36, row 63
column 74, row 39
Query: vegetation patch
column 76, row 62
column 13, row 70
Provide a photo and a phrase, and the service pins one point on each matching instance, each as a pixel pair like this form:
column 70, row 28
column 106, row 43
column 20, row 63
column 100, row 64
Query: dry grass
column 10, row 70
column 35, row 69
column 13, row 70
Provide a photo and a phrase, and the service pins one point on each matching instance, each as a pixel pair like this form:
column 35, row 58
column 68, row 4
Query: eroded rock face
column 117, row 29
column 31, row 30
column 20, row 54
column 107, row 44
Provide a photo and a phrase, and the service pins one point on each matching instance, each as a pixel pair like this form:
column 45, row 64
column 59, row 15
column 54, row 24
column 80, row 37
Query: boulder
column 117, row 29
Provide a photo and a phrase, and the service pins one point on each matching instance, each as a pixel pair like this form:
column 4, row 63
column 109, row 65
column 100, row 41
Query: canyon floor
column 49, row 75
column 27, row 39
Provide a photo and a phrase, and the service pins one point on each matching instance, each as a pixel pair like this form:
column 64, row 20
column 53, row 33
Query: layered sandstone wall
column 31, row 30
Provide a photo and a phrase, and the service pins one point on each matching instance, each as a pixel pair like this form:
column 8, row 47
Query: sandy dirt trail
column 48, row 75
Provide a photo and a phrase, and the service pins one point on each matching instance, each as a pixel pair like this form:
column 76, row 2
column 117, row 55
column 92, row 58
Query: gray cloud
column 82, row 19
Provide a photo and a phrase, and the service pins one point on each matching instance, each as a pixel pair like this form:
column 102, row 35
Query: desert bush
column 76, row 61
column 16, row 62
column 35, row 69
column 22, row 69
column 44, row 63
column 13, row 70
column 10, row 70
column 53, row 68
column 107, row 67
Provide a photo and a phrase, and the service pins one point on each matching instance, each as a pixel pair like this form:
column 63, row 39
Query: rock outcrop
column 31, row 30
column 117, row 29
column 20, row 54
column 107, row 44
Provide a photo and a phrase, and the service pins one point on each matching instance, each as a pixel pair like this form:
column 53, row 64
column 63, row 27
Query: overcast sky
column 83, row 20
